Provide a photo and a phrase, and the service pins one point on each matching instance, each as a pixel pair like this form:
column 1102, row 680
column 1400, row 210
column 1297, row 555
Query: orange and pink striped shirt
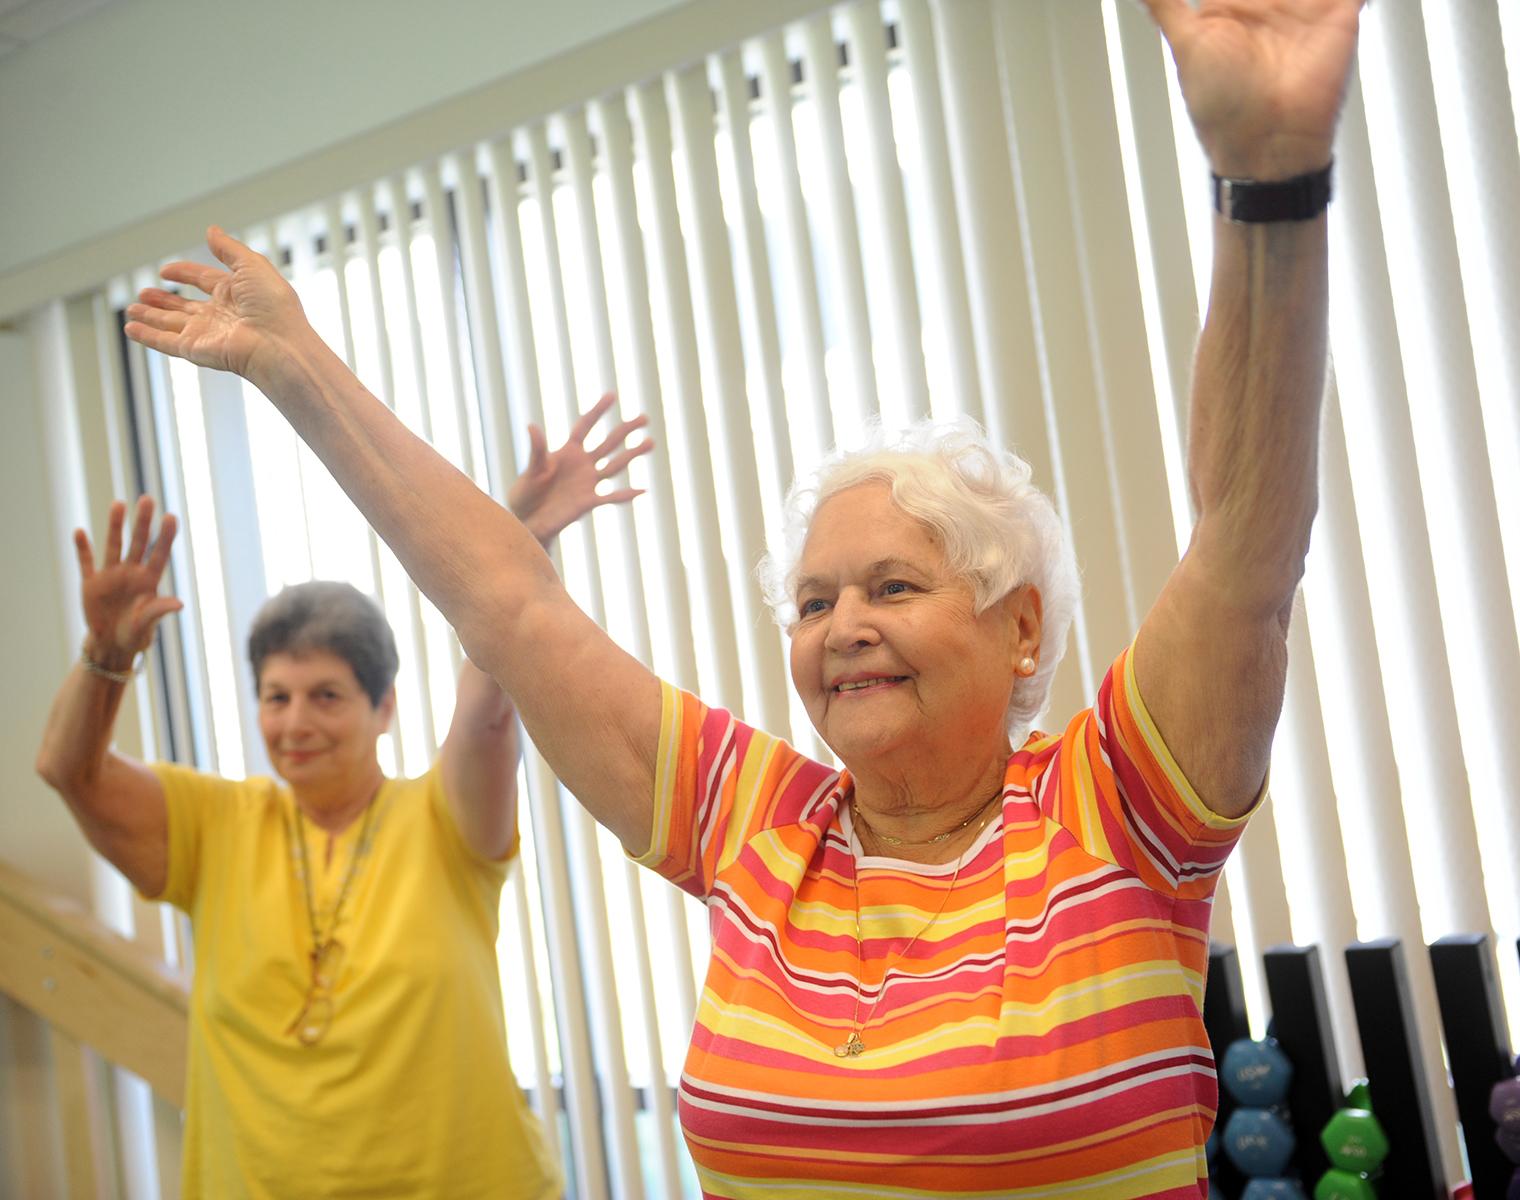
column 1042, row 1037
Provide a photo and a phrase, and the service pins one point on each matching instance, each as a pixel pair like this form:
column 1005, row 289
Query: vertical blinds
column 982, row 207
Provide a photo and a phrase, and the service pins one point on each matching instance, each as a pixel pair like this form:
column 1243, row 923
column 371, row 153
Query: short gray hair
column 998, row 531
column 335, row 617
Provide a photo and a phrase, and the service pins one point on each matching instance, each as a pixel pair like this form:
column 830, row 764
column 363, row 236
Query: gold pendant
column 851, row 1047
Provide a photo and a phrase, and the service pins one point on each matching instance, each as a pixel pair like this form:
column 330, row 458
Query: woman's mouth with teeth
column 860, row 684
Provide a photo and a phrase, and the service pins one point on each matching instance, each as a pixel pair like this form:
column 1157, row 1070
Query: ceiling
column 24, row 21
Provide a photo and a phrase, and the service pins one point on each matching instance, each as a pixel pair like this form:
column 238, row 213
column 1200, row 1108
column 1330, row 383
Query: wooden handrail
column 93, row 984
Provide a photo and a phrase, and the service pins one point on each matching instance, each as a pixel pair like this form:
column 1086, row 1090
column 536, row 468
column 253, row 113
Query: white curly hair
column 997, row 529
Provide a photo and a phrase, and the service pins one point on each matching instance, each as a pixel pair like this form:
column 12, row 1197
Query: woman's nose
column 297, row 721
column 850, row 624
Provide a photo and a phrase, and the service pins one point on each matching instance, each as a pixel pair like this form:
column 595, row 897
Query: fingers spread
column 618, row 436
column 621, row 496
column 152, row 613
column 140, row 526
column 114, row 522
column 158, row 318
column 158, row 298
column 1169, row 15
column 538, row 450
column 227, row 248
column 85, row 552
column 590, row 417
column 159, row 558
column 618, row 462
column 194, row 273
column 164, row 343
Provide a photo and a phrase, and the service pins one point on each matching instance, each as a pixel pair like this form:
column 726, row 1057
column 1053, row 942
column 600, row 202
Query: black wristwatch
column 1252, row 202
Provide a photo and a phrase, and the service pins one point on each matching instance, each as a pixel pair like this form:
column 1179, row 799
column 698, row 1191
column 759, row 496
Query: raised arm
column 117, row 801
column 479, row 756
column 592, row 709
column 1264, row 84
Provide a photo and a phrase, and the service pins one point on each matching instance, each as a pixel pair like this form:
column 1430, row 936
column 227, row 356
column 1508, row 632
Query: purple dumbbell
column 1504, row 1108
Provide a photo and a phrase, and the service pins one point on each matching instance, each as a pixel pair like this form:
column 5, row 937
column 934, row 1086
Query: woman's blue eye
column 809, row 607
column 895, row 588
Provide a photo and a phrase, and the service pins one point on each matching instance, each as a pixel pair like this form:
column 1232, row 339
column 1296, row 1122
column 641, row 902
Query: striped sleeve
column 717, row 783
column 1118, row 789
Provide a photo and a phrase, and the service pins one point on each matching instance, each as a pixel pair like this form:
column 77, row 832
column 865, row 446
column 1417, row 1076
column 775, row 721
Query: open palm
column 1263, row 79
column 251, row 309
column 557, row 489
column 120, row 593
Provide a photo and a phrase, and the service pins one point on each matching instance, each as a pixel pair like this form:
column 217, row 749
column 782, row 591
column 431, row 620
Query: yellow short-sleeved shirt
column 409, row 1093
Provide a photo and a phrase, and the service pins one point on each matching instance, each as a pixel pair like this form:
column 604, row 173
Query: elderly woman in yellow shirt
column 346, row 1026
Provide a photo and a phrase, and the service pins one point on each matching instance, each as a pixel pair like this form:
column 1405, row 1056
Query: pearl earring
column 1026, row 665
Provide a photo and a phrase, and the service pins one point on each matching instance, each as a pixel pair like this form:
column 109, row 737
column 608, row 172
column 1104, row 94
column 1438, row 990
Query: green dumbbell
column 1355, row 1141
column 1353, row 1137
column 1336, row 1184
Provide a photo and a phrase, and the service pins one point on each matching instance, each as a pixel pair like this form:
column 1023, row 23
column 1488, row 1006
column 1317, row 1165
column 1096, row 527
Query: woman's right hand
column 253, row 315
column 122, row 606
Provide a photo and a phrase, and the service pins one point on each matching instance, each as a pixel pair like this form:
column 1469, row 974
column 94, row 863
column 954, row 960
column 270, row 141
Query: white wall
column 36, row 832
column 147, row 104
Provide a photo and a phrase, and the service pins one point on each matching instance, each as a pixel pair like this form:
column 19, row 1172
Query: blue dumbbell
column 1257, row 1138
column 1259, row 1142
column 1274, row 1190
column 1256, row 1074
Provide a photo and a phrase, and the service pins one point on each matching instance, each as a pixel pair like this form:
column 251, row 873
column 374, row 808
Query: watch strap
column 1250, row 201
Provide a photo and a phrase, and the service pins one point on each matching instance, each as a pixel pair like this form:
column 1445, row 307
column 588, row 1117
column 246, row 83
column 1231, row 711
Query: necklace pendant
column 851, row 1047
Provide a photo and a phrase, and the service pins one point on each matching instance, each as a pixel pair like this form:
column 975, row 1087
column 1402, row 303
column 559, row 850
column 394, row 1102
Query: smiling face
column 888, row 654
column 319, row 725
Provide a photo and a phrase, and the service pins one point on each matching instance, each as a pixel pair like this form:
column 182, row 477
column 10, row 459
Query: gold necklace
column 326, row 952
column 854, row 1046
column 937, row 838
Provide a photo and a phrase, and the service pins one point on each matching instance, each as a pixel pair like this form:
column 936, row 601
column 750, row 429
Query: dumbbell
column 1225, row 1021
column 1356, row 1144
column 1504, row 1108
column 1256, row 1074
column 1380, row 994
column 1259, row 1141
column 1301, row 1021
column 1273, row 1189
column 1257, row 1137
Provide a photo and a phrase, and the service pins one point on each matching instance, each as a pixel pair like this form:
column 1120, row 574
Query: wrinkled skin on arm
column 1264, row 83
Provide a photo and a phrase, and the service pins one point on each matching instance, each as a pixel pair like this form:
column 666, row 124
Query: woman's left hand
column 556, row 490
column 250, row 323
column 1263, row 79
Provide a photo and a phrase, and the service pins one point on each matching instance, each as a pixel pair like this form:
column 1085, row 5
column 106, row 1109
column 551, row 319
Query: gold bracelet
column 94, row 668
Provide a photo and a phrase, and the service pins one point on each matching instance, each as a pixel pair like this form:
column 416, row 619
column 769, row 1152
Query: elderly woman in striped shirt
column 970, row 963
